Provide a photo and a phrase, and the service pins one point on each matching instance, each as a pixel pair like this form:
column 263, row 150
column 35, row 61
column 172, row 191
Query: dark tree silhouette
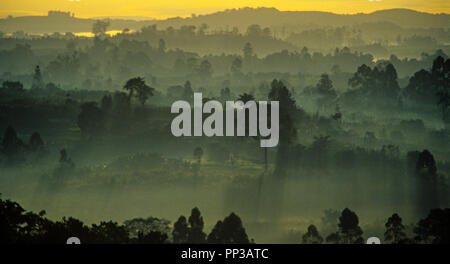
column 153, row 237
column 287, row 131
column 11, row 144
column 108, row 233
column 312, row 236
column 37, row 79
column 395, row 230
column 13, row 87
column 378, row 83
column 180, row 231
column 36, row 142
column 435, row 228
column 138, row 87
column 432, row 86
column 325, row 86
column 196, row 234
column 64, row 159
column 144, row 226
column 245, row 97
column 229, row 231
column 349, row 231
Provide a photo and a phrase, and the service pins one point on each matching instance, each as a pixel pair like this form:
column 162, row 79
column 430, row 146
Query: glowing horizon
column 183, row 8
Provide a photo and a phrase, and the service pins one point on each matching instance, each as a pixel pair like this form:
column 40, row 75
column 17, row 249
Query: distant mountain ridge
column 241, row 18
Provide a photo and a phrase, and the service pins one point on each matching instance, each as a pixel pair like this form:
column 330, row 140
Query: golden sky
column 170, row 8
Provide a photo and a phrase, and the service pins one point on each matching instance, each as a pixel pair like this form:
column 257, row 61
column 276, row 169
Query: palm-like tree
column 245, row 97
column 137, row 85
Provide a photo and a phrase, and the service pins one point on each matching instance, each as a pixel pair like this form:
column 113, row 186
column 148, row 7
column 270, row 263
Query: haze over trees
column 364, row 146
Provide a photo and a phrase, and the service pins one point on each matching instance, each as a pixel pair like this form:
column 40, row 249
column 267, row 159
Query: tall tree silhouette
column 395, row 230
column 196, row 234
column 349, row 231
column 312, row 236
column 229, row 231
column 180, row 231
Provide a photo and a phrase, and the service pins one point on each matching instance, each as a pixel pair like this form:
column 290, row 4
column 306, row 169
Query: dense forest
column 364, row 124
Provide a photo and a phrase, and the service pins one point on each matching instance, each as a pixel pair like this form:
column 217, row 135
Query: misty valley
column 231, row 127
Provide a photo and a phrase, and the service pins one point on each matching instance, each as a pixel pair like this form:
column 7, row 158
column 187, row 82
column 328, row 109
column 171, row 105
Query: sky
column 170, row 8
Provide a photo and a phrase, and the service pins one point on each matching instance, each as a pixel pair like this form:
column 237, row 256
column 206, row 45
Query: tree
column 440, row 73
column 137, row 86
column 312, row 236
column 229, row 231
column 13, row 87
column 349, row 228
column 205, row 69
column 254, row 31
column 12, row 217
column 246, row 97
column 287, row 130
column 37, row 79
column 434, row 228
column 279, row 92
column 152, row 237
column 142, row 227
column 108, row 233
column 11, row 143
column 377, row 83
column 196, row 234
column 349, row 231
column 325, row 86
column 36, row 142
column 395, row 230
column 99, row 27
column 64, row 159
column 432, row 87
column 180, row 231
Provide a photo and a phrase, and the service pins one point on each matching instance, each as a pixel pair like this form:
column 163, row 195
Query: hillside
column 240, row 18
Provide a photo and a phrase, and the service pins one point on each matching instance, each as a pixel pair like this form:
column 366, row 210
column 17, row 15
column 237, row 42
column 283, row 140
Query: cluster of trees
column 13, row 150
column 20, row 226
column 104, row 62
column 431, row 230
column 114, row 111
column 228, row 231
column 432, row 86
